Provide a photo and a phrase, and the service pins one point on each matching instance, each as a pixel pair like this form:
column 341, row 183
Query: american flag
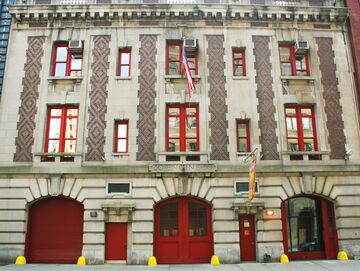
column 190, row 81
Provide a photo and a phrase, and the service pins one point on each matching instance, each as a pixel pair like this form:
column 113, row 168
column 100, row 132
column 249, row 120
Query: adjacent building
column 105, row 154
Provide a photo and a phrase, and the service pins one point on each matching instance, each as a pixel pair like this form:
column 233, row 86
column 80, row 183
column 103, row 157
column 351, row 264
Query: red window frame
column 247, row 137
column 235, row 65
column 117, row 138
column 191, row 56
column 120, row 64
column 295, row 70
column 182, row 116
column 63, row 123
column 300, row 133
column 67, row 62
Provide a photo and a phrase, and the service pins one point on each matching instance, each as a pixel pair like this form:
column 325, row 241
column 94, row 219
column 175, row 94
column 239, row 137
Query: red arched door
column 183, row 231
column 55, row 231
column 309, row 229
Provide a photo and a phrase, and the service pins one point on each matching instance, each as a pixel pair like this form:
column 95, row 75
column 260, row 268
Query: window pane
column 238, row 58
column 121, row 146
column 60, row 69
column 122, row 130
column 54, row 130
column 72, row 112
column 76, row 64
column 124, row 71
column 174, row 111
column 239, row 71
column 309, row 144
column 174, row 145
column 242, row 130
column 174, row 53
column 190, row 111
column 307, row 126
column 290, row 111
column 125, row 58
column 291, row 125
column 293, row 144
column 191, row 145
column 284, row 54
column 53, row 146
column 286, row 69
column 174, row 68
column 55, row 112
column 305, row 111
column 70, row 146
column 242, row 145
column 71, row 128
column 169, row 225
column 197, row 220
column 190, row 127
column 61, row 54
column 174, row 127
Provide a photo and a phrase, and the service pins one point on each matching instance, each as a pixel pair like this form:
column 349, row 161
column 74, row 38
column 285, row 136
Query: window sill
column 196, row 78
column 123, row 78
column 294, row 77
column 65, row 79
column 120, row 154
column 240, row 77
column 63, row 157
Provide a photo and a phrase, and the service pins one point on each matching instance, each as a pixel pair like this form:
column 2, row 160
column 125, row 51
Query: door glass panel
column 197, row 220
column 169, row 225
column 304, row 224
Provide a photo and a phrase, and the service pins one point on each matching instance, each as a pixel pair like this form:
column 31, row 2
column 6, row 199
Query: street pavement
column 292, row 266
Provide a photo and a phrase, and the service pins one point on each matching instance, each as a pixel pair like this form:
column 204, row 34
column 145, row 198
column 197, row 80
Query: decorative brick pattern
column 265, row 96
column 217, row 94
column 147, row 109
column 331, row 94
column 27, row 111
column 97, row 109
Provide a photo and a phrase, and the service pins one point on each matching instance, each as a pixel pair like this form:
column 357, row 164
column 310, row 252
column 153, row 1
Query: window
column 66, row 62
column 293, row 64
column 243, row 188
column 174, row 59
column 301, row 131
column 121, row 136
column 243, row 135
column 182, row 129
column 239, row 68
column 61, row 131
column 118, row 189
column 124, row 62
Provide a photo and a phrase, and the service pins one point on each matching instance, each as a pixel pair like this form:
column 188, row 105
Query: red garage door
column 183, row 231
column 55, row 231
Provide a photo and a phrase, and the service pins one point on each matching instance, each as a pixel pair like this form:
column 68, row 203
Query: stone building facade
column 102, row 145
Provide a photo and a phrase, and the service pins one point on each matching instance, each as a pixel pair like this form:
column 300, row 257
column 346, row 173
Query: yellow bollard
column 152, row 261
column 81, row 261
column 342, row 256
column 214, row 260
column 284, row 258
column 20, row 260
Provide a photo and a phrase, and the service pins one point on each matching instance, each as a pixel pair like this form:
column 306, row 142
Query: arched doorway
column 309, row 229
column 55, row 231
column 183, row 232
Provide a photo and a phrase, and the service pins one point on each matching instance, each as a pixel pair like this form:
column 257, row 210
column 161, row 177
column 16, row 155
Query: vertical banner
column 252, row 176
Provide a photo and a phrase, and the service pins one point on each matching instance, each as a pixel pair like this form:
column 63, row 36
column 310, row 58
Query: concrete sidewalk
column 292, row 266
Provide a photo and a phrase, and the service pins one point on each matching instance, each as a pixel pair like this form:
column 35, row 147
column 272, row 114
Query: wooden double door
column 183, row 231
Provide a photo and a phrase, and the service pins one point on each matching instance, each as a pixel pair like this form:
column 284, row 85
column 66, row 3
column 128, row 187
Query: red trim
column 68, row 61
column 179, row 246
column 292, row 60
column 182, row 117
column 116, row 139
column 63, row 120
column 247, row 123
column 120, row 64
column 330, row 241
column 243, row 65
column 179, row 44
column 299, row 117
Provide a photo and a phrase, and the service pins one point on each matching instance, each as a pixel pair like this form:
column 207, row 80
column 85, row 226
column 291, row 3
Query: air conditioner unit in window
column 75, row 47
column 301, row 47
column 190, row 45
